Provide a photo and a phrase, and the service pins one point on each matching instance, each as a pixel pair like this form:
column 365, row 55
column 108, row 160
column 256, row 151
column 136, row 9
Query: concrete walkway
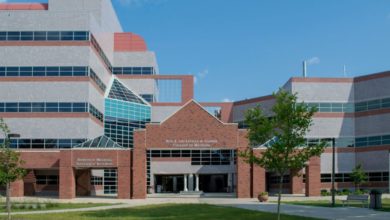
column 250, row 204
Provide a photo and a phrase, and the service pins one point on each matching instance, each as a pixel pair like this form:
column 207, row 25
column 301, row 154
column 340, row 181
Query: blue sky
column 240, row 49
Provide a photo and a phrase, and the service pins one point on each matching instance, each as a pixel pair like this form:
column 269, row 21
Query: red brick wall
column 139, row 165
column 40, row 159
column 17, row 188
column 313, row 177
column 124, row 175
column 67, row 176
column 296, row 182
column 191, row 123
column 258, row 178
column 243, row 169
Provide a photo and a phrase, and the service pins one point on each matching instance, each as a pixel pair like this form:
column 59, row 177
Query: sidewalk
column 250, row 204
column 307, row 211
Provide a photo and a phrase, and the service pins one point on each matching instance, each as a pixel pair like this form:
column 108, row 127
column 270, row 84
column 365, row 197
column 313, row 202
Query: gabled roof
column 192, row 106
column 99, row 142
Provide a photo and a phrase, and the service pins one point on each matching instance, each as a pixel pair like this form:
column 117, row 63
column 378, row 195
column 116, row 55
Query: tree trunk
column 280, row 194
column 8, row 200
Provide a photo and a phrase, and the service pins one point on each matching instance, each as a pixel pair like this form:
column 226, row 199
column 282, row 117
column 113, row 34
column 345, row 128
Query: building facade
column 96, row 118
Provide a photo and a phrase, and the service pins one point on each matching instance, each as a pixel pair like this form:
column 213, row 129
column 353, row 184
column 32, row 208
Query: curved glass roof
column 99, row 142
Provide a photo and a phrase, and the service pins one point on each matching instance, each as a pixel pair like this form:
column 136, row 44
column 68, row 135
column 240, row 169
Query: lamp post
column 333, row 170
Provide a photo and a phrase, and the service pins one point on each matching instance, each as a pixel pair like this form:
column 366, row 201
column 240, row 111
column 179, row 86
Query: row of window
column 346, row 177
column 51, row 107
column 44, row 35
column 95, row 112
column 332, row 107
column 47, row 179
column 353, row 142
column 43, row 107
column 372, row 105
column 134, row 70
column 199, row 157
column 372, row 141
column 12, row 71
column 97, row 80
column 101, row 53
column 44, row 71
column 44, row 143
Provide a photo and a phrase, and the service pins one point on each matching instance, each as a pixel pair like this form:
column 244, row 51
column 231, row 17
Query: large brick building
column 96, row 117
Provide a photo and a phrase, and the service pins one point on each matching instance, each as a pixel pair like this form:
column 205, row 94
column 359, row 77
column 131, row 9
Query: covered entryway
column 213, row 183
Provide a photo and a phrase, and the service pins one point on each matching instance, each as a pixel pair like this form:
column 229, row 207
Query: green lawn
column 326, row 203
column 166, row 211
column 49, row 206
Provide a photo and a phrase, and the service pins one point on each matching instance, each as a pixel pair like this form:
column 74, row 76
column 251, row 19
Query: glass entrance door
column 169, row 183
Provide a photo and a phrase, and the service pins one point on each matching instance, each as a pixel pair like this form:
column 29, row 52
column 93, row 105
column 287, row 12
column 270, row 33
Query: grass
column 165, row 211
column 327, row 203
column 49, row 206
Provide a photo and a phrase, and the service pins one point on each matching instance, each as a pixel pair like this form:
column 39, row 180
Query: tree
column 283, row 134
column 10, row 165
column 358, row 176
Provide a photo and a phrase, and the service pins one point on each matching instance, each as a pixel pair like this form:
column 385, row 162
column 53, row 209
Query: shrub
column 325, row 192
column 346, row 192
column 263, row 194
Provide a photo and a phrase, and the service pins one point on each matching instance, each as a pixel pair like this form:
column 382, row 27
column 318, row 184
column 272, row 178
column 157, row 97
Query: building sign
column 93, row 162
column 191, row 142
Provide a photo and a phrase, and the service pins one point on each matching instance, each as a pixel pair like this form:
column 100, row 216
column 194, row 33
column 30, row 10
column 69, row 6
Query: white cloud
column 227, row 100
column 2, row 1
column 313, row 60
column 200, row 75
column 203, row 73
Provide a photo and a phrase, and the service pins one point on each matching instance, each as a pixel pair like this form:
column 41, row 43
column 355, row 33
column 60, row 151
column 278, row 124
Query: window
column 96, row 180
column 47, row 179
column 346, row 177
column 133, row 70
column 44, row 36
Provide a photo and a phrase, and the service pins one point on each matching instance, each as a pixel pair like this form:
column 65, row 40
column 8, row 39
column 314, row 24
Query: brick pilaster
column 313, row 177
column 296, row 182
column 243, row 168
column 139, row 166
column 67, row 185
column 258, row 177
column 17, row 188
column 124, row 174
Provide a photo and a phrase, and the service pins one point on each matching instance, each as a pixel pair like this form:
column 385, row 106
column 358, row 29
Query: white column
column 185, row 183
column 196, row 182
column 190, row 182
column 174, row 184
column 230, row 182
